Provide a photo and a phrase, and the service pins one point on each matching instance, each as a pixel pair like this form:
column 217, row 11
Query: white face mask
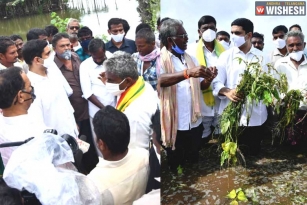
column 118, row 37
column 209, row 35
column 296, row 55
column 279, row 43
column 237, row 40
column 46, row 62
column 114, row 89
column 225, row 44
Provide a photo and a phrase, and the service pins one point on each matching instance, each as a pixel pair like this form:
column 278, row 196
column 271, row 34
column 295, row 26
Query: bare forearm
column 167, row 80
column 93, row 99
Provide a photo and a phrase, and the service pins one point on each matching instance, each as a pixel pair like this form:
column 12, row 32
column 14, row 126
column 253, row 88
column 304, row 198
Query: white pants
column 209, row 121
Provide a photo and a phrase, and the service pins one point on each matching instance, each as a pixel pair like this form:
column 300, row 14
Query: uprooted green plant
column 256, row 86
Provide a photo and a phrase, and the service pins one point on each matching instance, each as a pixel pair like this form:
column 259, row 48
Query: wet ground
column 277, row 176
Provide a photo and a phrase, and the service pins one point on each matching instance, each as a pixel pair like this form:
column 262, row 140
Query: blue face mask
column 85, row 44
column 66, row 55
column 177, row 49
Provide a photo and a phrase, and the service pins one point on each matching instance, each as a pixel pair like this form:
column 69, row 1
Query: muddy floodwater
column 277, row 176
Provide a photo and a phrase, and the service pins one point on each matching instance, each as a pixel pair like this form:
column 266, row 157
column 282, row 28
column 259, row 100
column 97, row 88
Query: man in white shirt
column 279, row 33
column 51, row 105
column 121, row 175
column 295, row 67
column 224, row 85
column 224, row 38
column 181, row 81
column 135, row 97
column 8, row 54
column 16, row 96
column 93, row 89
column 207, row 50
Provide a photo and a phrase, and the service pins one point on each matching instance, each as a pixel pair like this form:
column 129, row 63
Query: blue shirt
column 127, row 46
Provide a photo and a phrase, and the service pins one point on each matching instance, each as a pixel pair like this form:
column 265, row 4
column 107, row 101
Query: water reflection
column 92, row 13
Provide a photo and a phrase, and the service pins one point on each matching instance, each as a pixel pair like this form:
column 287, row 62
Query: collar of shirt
column 205, row 48
column 16, row 120
column 35, row 77
column 276, row 52
column 124, row 44
column 2, row 66
column 77, row 47
column 112, row 164
column 287, row 59
column 252, row 50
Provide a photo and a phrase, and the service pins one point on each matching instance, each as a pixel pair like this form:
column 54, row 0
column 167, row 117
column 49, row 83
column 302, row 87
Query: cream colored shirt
column 125, row 179
column 275, row 56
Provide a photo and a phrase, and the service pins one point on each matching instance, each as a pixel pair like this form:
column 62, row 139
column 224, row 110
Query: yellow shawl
column 127, row 97
column 207, row 94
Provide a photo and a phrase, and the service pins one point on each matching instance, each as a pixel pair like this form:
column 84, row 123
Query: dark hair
column 51, row 30
column 58, row 37
column 246, row 24
column 32, row 49
column 164, row 19
column 205, row 20
column 280, row 28
column 146, row 34
column 142, row 26
column 258, row 35
column 112, row 127
column 15, row 37
column 11, row 83
column 115, row 21
column 296, row 25
column 34, row 33
column 158, row 21
column 5, row 42
column 156, row 125
column 8, row 195
column 125, row 25
column 84, row 31
column 95, row 44
column 222, row 33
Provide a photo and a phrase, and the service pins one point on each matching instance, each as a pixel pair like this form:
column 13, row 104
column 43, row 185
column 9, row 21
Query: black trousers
column 90, row 158
column 187, row 143
column 250, row 140
column 154, row 171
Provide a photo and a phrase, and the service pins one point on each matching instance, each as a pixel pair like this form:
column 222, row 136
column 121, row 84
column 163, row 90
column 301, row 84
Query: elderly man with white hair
column 134, row 97
column 294, row 66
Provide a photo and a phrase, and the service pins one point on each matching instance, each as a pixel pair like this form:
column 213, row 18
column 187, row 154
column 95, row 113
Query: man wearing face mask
column 69, row 63
column 224, row 85
column 181, row 81
column 134, row 97
column 224, row 38
column 295, row 67
column 207, row 51
column 118, row 41
column 51, row 105
column 93, row 89
column 85, row 35
column 280, row 51
column 16, row 96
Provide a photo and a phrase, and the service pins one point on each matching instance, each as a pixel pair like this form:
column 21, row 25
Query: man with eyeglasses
column 258, row 40
column 16, row 96
column 72, row 29
column 52, row 105
column 118, row 41
column 181, row 81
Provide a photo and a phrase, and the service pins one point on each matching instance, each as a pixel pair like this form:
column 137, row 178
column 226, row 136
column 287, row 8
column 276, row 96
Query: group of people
column 129, row 97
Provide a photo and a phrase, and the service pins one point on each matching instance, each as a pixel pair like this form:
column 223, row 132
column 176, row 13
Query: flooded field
column 277, row 176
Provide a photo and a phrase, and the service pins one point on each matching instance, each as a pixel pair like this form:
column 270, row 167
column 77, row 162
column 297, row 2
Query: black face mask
column 100, row 63
column 33, row 96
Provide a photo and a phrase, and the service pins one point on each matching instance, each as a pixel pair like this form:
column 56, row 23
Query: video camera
column 29, row 198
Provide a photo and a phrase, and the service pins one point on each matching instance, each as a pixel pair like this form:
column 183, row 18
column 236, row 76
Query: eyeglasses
column 74, row 27
column 33, row 96
column 185, row 35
